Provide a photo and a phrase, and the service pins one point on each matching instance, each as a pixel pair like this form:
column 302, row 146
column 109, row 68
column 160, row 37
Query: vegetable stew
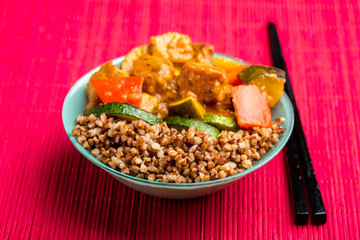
column 173, row 113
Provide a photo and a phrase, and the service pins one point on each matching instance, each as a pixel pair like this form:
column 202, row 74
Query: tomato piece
column 121, row 90
column 251, row 106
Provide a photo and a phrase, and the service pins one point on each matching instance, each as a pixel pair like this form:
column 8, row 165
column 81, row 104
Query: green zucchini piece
column 221, row 122
column 256, row 71
column 179, row 122
column 188, row 108
column 125, row 111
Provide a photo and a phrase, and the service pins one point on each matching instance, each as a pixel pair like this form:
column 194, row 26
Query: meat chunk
column 203, row 52
column 107, row 70
column 157, row 73
column 173, row 46
column 132, row 56
column 208, row 84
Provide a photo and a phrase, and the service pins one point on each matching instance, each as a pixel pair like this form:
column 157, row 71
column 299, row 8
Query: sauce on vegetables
column 175, row 70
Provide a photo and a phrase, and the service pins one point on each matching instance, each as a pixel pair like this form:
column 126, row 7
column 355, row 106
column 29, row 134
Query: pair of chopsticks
column 297, row 151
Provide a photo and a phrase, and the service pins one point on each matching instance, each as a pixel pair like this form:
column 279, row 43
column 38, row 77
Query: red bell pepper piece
column 251, row 106
column 121, row 90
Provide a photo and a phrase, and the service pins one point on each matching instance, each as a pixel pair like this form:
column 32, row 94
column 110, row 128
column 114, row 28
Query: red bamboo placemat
column 49, row 191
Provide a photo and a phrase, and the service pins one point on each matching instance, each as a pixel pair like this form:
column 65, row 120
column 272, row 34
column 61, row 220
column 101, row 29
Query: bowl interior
column 76, row 101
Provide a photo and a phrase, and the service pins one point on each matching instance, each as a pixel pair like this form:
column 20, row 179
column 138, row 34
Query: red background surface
column 48, row 190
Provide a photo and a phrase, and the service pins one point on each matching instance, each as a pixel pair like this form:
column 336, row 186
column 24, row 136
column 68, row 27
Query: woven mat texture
column 49, row 191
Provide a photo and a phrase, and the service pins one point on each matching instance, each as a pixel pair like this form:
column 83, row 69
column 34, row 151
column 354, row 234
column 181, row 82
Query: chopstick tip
column 319, row 218
column 302, row 218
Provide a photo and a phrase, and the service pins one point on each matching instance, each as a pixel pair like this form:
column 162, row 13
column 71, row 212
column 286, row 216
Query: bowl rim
column 105, row 167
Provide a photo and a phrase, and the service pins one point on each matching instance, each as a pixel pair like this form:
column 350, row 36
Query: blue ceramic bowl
column 76, row 101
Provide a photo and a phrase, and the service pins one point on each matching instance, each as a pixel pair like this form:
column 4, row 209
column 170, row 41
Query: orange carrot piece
column 251, row 106
column 225, row 63
column 232, row 75
column 121, row 90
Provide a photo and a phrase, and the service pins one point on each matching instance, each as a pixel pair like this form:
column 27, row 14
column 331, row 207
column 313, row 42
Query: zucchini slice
column 185, row 123
column 256, row 71
column 125, row 111
column 188, row 108
column 221, row 122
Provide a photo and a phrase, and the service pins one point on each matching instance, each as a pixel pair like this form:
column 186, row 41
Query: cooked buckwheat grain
column 163, row 154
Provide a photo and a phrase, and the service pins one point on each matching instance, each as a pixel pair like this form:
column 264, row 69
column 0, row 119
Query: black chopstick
column 299, row 198
column 318, row 212
column 297, row 187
